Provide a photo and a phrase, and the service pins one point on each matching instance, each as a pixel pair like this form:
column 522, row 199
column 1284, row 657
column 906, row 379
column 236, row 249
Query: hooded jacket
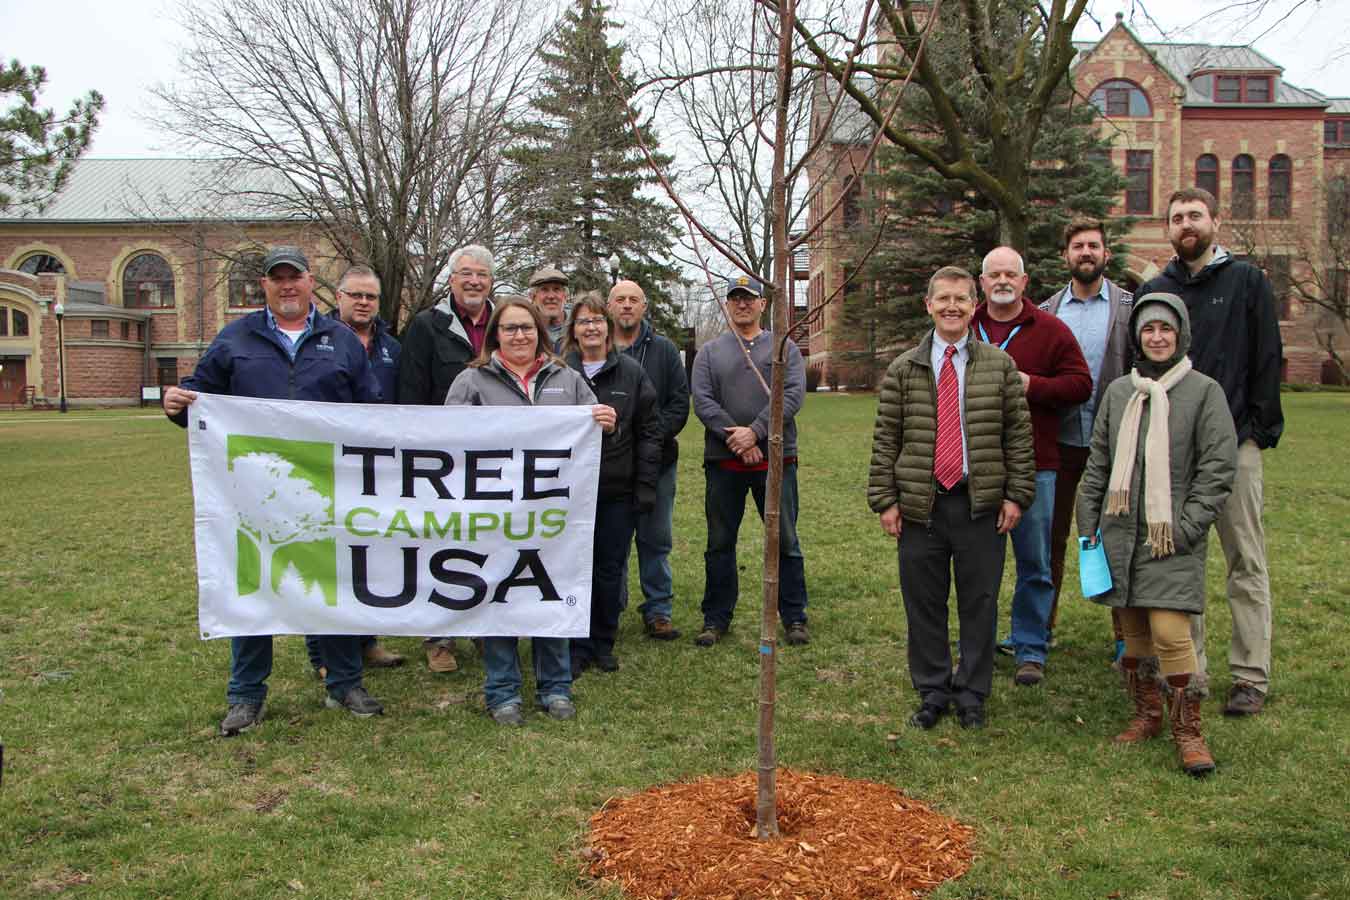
column 383, row 353
column 1237, row 338
column 630, row 458
column 247, row 359
column 1202, row 453
column 660, row 358
column 436, row 349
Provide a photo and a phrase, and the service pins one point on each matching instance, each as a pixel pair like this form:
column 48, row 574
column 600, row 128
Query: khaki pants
column 1244, row 547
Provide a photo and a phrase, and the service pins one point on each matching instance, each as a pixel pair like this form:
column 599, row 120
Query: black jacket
column 436, row 349
column 630, row 458
column 660, row 358
column 383, row 354
column 1235, row 338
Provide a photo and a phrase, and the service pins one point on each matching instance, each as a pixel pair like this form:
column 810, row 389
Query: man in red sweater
column 1055, row 376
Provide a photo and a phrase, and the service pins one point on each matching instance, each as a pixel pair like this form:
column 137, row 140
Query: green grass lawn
column 115, row 784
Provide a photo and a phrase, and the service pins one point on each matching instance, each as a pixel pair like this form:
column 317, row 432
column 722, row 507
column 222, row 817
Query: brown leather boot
column 1148, row 704
column 1185, row 719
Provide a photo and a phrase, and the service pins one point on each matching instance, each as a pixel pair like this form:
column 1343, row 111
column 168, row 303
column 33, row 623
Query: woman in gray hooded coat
column 1154, row 484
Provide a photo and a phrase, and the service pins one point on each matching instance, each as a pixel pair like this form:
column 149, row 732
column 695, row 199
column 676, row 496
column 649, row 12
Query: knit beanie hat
column 1155, row 312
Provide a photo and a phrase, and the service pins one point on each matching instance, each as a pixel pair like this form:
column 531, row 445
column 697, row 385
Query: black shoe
column 797, row 635
column 581, row 664
column 357, row 702
column 240, row 717
column 927, row 715
column 971, row 716
column 607, row 662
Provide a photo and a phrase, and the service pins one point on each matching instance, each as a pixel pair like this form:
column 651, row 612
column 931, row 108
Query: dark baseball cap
column 744, row 284
column 284, row 256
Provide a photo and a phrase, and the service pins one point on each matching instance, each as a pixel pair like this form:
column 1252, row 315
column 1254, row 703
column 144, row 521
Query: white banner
column 328, row 518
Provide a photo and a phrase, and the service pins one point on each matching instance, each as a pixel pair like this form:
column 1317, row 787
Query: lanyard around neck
column 984, row 336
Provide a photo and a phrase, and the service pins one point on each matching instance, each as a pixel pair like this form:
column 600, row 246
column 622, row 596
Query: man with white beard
column 1055, row 377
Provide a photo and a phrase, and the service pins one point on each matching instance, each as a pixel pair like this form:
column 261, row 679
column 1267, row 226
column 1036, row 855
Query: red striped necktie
column 947, row 457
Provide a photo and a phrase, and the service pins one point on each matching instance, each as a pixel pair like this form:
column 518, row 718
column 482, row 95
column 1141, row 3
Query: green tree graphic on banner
column 284, row 493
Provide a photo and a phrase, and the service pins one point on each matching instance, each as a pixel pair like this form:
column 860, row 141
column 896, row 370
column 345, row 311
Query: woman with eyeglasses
column 515, row 368
column 630, row 464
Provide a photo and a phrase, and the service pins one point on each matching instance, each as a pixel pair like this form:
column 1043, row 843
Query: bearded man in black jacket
column 1236, row 341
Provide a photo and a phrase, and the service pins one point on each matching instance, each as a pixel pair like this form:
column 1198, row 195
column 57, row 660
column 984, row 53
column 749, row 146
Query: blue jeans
column 552, row 670
column 655, row 538
column 724, row 505
column 1034, row 596
column 251, row 663
column 316, row 653
column 614, row 524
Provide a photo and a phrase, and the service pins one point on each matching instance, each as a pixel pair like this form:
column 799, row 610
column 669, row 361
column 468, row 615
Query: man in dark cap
column 548, row 292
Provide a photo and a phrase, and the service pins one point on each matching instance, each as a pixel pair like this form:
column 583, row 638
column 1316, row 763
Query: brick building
column 1220, row 117
column 147, row 260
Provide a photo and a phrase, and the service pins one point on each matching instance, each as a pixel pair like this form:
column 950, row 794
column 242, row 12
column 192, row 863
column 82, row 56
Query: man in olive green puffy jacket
column 952, row 469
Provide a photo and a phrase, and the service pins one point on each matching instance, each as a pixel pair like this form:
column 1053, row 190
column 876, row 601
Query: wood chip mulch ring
column 840, row 838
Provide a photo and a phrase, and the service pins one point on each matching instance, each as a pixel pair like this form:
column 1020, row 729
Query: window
column 20, row 323
column 4, row 321
column 42, row 264
column 1120, row 99
column 1138, row 181
column 1207, row 173
column 147, row 281
column 98, row 328
column 1242, row 89
column 1338, row 207
column 1280, row 186
column 166, row 371
column 852, row 210
column 1244, row 186
column 1336, row 132
column 140, row 331
column 245, row 289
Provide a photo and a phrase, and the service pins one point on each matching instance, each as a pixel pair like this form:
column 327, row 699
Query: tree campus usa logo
column 285, row 537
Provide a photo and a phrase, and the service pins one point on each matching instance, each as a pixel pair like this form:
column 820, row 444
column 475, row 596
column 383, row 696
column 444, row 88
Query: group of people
column 545, row 349
column 1143, row 417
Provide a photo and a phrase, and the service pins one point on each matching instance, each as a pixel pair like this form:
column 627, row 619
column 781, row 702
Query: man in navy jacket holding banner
column 286, row 351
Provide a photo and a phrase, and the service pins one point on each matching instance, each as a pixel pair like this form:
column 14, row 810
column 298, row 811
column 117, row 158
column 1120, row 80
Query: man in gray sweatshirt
column 731, row 399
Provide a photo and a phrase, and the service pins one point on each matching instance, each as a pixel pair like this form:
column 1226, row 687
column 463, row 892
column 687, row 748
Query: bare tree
column 382, row 119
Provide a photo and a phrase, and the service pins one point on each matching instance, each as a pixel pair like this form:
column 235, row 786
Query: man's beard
column 1003, row 298
column 1090, row 276
column 1202, row 245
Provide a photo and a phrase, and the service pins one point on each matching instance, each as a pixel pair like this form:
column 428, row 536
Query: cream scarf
column 1157, row 462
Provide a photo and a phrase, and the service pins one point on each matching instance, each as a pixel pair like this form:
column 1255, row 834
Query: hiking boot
column 560, row 708
column 1143, row 689
column 1184, row 717
column 710, row 635
column 377, row 657
column 507, row 714
column 240, row 717
column 357, row 702
column 659, row 628
column 607, row 662
column 797, row 634
column 1244, row 700
column 1029, row 674
column 441, row 657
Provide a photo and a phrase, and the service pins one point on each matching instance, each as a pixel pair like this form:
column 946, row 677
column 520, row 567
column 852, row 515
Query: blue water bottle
column 1094, row 573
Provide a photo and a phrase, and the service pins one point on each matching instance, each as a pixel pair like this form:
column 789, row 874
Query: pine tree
column 928, row 221
column 583, row 171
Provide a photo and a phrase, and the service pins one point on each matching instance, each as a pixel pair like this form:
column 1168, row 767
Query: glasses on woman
column 525, row 328
column 588, row 322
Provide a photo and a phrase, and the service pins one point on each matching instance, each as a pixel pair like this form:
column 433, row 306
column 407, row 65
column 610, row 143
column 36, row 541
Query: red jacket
column 1045, row 349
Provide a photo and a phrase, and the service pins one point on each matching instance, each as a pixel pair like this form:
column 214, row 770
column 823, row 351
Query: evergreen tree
column 37, row 149
column 582, row 170
column 927, row 221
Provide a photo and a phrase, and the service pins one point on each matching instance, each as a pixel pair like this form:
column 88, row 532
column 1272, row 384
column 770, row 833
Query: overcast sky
column 122, row 49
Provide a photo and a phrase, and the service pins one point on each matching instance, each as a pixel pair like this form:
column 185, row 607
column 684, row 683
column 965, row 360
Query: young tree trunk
column 766, row 805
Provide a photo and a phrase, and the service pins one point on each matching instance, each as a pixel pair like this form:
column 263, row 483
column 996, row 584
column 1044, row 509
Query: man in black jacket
column 660, row 358
column 1235, row 341
column 437, row 346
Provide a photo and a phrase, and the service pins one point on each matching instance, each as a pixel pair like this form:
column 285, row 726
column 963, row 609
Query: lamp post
column 613, row 269
column 60, row 311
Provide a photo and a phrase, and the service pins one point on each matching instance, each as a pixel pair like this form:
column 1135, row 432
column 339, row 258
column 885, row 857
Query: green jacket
column 998, row 434
column 1202, row 452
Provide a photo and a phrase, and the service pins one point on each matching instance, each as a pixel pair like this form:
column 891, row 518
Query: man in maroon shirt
column 1055, row 376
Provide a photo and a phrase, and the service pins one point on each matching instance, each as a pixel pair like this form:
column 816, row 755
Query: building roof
column 1182, row 61
column 1338, row 105
column 169, row 190
column 851, row 125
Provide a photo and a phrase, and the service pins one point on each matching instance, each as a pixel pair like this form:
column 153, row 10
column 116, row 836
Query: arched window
column 1280, row 187
column 1207, row 173
column 41, row 264
column 13, row 322
column 1244, row 187
column 245, row 289
column 147, row 282
column 1120, row 99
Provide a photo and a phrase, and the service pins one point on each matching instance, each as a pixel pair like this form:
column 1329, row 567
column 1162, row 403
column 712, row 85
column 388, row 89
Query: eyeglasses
column 593, row 320
column 361, row 295
column 742, row 299
column 468, row 274
column 516, row 329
